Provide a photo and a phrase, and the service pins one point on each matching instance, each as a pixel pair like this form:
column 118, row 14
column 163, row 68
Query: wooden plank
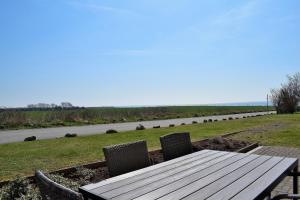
column 159, row 170
column 145, row 170
column 194, row 185
column 226, row 180
column 195, row 165
column 177, row 185
column 237, row 186
column 136, row 190
column 264, row 182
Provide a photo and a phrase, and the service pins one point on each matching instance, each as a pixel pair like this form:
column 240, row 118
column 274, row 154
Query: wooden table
column 205, row 174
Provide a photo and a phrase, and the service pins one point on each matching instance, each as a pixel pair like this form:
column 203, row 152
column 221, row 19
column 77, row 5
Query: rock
column 218, row 140
column 140, row 127
column 111, row 131
column 32, row 138
column 229, row 144
column 70, row 135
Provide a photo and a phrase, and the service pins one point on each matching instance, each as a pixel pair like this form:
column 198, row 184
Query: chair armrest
column 286, row 196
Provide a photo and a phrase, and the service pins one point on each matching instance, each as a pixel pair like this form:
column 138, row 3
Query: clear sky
column 145, row 52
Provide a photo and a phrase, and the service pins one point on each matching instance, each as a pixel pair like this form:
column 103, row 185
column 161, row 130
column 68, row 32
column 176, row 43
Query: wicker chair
column 125, row 158
column 51, row 190
column 286, row 196
column 176, row 145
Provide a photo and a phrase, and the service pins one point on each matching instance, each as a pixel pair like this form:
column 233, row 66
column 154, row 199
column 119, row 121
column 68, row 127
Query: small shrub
column 215, row 120
column 140, row 127
column 194, row 122
column 244, row 117
column 28, row 139
column 182, row 124
column 123, row 120
column 224, row 119
column 156, row 126
column 14, row 189
column 230, row 118
column 2, row 127
column 172, row 125
column 111, row 131
column 205, row 121
column 83, row 175
column 177, row 116
column 210, row 120
column 237, row 118
column 70, row 135
column 196, row 115
column 73, row 185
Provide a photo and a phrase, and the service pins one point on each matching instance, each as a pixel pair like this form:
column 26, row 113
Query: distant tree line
column 44, row 107
column 287, row 98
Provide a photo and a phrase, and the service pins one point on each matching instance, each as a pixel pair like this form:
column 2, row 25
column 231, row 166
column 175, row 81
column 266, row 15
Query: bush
column 182, row 124
column 224, row 119
column 237, row 118
column 140, row 127
column 244, row 117
column 83, row 175
column 111, row 131
column 210, row 120
column 230, row 118
column 215, row 120
column 73, row 185
column 19, row 189
column 28, row 139
column 205, row 121
column 196, row 115
column 172, row 125
column 194, row 122
column 156, row 126
column 70, row 135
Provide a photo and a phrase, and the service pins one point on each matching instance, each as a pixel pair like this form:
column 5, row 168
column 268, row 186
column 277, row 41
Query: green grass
column 286, row 134
column 23, row 158
column 17, row 119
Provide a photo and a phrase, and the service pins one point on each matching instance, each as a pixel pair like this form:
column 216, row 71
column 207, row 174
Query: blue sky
column 145, row 52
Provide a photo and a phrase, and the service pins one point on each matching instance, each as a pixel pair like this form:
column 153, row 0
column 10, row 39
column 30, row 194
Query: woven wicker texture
column 125, row 158
column 51, row 190
column 176, row 145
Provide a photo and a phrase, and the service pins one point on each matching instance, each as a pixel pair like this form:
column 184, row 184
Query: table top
column 205, row 174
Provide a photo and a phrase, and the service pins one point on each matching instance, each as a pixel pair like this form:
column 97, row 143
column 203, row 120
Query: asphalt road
column 48, row 133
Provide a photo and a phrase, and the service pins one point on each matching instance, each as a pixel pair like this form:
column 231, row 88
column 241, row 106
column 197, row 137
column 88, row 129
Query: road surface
column 11, row 136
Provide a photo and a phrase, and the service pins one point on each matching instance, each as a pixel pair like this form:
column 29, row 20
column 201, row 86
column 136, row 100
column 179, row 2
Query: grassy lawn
column 23, row 158
column 286, row 133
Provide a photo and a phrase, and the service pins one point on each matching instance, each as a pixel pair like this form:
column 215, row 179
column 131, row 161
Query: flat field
column 23, row 158
column 20, row 119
